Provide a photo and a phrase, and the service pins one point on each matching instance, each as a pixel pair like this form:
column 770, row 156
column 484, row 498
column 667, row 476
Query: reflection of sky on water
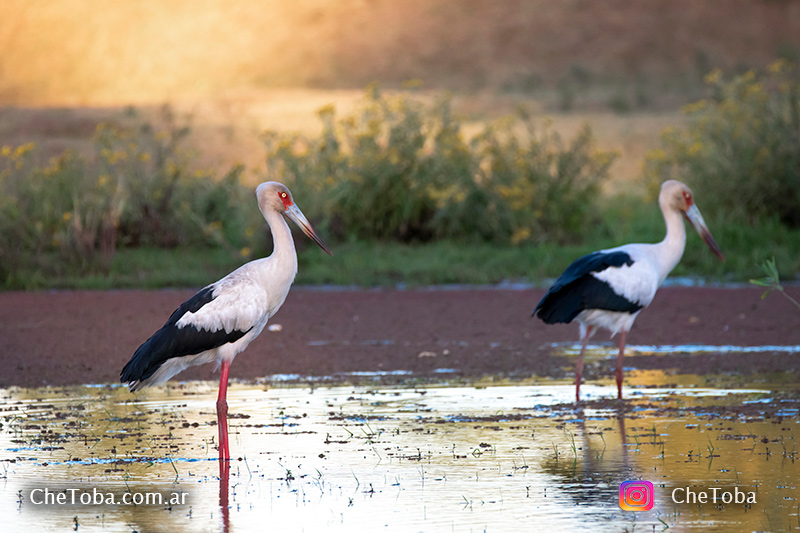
column 492, row 455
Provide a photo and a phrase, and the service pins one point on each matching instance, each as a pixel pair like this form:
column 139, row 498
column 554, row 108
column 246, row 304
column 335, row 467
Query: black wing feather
column 577, row 290
column 171, row 341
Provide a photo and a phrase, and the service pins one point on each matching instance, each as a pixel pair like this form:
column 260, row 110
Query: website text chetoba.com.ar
column 639, row 495
column 94, row 496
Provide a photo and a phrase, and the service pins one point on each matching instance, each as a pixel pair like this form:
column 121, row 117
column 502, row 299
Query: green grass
column 370, row 264
column 148, row 268
column 378, row 183
column 625, row 220
column 381, row 264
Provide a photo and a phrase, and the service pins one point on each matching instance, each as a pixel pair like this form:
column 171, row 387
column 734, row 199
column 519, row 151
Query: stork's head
column 677, row 196
column 274, row 196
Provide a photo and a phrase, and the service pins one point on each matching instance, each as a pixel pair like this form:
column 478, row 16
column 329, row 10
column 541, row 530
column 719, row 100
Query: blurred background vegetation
column 541, row 131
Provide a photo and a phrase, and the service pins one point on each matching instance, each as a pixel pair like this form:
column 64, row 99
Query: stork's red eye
column 688, row 197
column 285, row 199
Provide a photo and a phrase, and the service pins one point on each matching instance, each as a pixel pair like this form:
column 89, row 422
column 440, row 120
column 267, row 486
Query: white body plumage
column 638, row 282
column 244, row 300
column 222, row 319
column 608, row 289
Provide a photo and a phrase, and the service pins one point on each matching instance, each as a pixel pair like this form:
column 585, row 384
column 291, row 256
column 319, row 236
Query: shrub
column 741, row 146
column 166, row 202
column 399, row 169
column 546, row 187
column 72, row 214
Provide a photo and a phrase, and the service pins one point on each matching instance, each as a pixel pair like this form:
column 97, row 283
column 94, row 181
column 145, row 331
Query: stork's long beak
column 295, row 215
column 693, row 215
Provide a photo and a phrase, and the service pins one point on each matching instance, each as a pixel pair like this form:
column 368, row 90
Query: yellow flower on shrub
column 23, row 149
column 694, row 107
column 740, row 146
column 327, row 109
column 656, row 154
column 713, row 77
column 520, row 234
column 695, row 148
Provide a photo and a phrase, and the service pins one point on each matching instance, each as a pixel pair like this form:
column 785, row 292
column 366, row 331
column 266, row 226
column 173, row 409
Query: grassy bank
column 388, row 264
column 405, row 196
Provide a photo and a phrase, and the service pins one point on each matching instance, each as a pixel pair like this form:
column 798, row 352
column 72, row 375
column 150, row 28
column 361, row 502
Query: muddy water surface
column 485, row 456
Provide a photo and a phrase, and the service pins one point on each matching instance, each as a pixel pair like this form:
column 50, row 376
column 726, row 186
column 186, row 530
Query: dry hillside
column 94, row 52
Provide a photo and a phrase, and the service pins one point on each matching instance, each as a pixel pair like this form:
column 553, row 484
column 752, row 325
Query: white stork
column 609, row 288
column 220, row 320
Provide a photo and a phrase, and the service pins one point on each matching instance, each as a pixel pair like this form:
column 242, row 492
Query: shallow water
column 491, row 456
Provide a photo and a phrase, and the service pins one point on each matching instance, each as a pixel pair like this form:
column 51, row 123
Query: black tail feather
column 173, row 341
column 577, row 290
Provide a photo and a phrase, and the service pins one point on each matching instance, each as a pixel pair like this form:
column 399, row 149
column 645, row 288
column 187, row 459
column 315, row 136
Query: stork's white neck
column 670, row 250
column 283, row 254
column 281, row 235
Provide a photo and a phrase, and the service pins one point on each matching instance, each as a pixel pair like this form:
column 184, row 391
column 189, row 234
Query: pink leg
column 619, row 363
column 222, row 414
column 579, row 364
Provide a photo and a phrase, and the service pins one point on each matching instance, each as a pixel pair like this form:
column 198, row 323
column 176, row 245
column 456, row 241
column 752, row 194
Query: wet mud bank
column 83, row 337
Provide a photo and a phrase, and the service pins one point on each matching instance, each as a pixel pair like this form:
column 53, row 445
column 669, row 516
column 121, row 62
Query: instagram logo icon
column 636, row 496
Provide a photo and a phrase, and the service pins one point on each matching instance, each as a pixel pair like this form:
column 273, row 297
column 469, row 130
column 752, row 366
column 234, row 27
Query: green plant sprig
column 772, row 281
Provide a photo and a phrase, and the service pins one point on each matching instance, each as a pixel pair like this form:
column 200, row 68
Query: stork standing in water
column 220, row 320
column 609, row 288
